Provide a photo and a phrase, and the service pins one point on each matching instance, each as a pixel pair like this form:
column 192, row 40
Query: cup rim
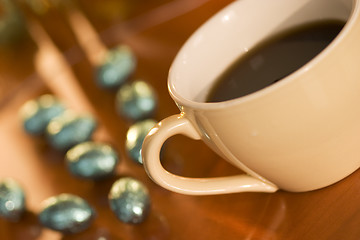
column 182, row 101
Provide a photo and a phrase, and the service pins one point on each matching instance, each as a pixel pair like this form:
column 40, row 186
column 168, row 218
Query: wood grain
column 155, row 30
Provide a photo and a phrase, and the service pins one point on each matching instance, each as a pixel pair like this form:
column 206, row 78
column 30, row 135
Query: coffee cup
column 299, row 134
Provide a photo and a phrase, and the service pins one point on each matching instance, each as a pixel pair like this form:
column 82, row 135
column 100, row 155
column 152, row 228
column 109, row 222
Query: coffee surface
column 273, row 59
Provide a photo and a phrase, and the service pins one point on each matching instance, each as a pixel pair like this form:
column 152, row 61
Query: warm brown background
column 155, row 30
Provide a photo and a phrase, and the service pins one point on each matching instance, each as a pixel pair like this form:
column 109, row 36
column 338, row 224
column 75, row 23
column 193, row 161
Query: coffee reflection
column 274, row 59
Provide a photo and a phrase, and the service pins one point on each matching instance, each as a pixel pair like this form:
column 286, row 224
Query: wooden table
column 155, row 30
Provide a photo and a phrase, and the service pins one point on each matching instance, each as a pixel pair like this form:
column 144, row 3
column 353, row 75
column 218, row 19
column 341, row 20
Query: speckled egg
column 118, row 65
column 92, row 160
column 130, row 201
column 37, row 113
column 136, row 100
column 69, row 129
column 135, row 137
column 12, row 200
column 66, row 213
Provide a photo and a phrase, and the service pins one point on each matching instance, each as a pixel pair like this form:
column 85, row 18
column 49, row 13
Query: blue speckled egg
column 69, row 129
column 12, row 200
column 92, row 160
column 37, row 113
column 66, row 213
column 136, row 100
column 135, row 137
column 118, row 65
column 130, row 201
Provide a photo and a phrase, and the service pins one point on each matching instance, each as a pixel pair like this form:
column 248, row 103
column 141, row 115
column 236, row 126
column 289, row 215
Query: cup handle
column 179, row 124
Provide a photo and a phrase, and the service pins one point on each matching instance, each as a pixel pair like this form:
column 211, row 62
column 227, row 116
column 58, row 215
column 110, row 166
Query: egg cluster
column 135, row 100
column 71, row 133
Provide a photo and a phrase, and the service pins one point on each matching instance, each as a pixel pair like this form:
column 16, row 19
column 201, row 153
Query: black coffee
column 274, row 59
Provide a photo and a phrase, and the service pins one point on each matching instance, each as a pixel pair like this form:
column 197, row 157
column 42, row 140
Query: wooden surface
column 155, row 30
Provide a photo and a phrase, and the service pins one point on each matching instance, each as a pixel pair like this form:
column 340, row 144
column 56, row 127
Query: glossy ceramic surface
column 155, row 30
column 294, row 134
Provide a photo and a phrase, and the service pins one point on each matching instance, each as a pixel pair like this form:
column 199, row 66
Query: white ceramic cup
column 298, row 134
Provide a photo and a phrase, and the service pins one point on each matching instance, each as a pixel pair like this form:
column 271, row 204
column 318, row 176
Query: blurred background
column 61, row 47
column 56, row 47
